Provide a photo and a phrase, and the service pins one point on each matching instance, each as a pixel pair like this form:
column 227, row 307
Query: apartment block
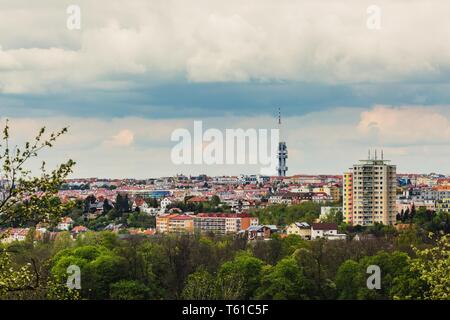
column 174, row 223
column 348, row 197
column 222, row 223
column 443, row 205
column 370, row 193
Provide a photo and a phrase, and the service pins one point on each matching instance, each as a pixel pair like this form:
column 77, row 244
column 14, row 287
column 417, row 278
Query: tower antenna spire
column 279, row 116
column 282, row 151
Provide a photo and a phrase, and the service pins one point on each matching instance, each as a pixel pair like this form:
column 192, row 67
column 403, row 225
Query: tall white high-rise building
column 370, row 192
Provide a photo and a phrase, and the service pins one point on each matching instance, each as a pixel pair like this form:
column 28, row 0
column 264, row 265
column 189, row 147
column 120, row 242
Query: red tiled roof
column 324, row 226
column 182, row 217
column 197, row 199
column 224, row 215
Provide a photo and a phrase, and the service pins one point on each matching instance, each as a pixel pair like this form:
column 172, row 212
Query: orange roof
column 197, row 199
column 182, row 217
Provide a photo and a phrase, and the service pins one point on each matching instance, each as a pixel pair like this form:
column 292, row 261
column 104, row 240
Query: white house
column 65, row 224
column 15, row 234
column 326, row 230
column 164, row 204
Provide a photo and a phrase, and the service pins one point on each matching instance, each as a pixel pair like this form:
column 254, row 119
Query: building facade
column 443, row 205
column 370, row 193
column 222, row 223
column 174, row 223
column 348, row 197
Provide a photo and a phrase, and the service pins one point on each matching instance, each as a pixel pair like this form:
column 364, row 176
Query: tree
column 312, row 261
column 28, row 200
column 244, row 268
column 141, row 220
column 152, row 266
column 351, row 277
column 107, row 206
column 99, row 268
column 215, row 201
column 335, row 216
column 200, row 285
column 284, row 281
column 231, row 286
column 433, row 265
column 349, row 280
column 128, row 290
column 283, row 215
column 88, row 202
column 122, row 203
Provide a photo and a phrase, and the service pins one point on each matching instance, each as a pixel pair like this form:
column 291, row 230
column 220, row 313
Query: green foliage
column 349, row 280
column 213, row 205
column 141, row 220
column 381, row 230
column 214, row 201
column 335, row 216
column 122, row 203
column 351, row 276
column 129, row 290
column 200, row 285
column 244, row 268
column 284, row 281
column 99, row 268
column 282, row 215
column 433, row 266
column 27, row 201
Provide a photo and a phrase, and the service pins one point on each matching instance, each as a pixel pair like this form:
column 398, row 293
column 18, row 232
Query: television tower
column 282, row 151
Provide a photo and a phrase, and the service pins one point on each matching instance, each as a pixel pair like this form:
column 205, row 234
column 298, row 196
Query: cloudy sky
column 135, row 72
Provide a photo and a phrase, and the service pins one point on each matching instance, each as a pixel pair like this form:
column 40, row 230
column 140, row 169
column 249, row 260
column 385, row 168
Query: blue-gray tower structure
column 282, row 151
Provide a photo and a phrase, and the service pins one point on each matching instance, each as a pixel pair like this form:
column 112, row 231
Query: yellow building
column 370, row 193
column 336, row 193
column 174, row 223
column 181, row 224
column 162, row 223
column 443, row 205
column 301, row 229
column 348, row 197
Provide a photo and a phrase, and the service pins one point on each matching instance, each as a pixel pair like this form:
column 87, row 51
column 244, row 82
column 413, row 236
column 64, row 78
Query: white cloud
column 123, row 139
column 406, row 125
column 210, row 41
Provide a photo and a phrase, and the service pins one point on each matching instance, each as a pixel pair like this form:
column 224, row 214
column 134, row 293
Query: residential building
column 326, row 230
column 443, row 205
column 301, row 229
column 260, row 232
column 370, row 193
column 348, row 197
column 65, row 224
column 165, row 203
column 162, row 223
column 181, row 224
column 336, row 193
column 78, row 230
column 223, row 223
column 14, row 234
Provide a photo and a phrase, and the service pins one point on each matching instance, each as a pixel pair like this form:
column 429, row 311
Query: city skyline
column 223, row 155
